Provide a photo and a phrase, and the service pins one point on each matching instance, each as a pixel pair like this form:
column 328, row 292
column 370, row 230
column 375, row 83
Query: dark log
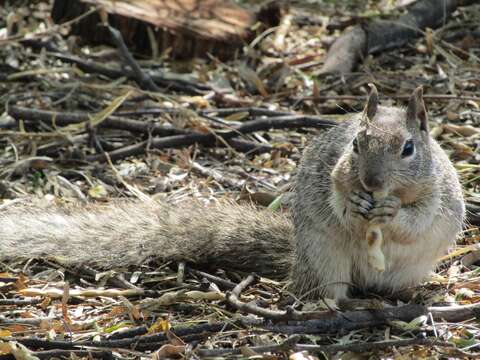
column 176, row 141
column 120, row 123
column 290, row 345
column 380, row 35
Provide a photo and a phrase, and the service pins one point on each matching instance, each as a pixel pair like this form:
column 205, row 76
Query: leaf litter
column 49, row 309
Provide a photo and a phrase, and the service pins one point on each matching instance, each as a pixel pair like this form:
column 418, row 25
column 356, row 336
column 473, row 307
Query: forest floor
column 58, row 118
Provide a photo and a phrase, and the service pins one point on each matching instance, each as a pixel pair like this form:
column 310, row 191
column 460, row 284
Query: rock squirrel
column 323, row 250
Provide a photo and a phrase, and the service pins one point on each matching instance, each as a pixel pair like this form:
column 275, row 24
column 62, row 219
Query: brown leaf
column 471, row 258
column 65, row 297
column 21, row 282
column 436, row 131
column 464, row 130
column 261, row 198
column 251, row 77
column 168, row 350
column 452, row 116
column 461, row 150
column 429, row 40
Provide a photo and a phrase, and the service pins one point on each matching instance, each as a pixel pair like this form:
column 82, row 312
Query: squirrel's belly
column 408, row 263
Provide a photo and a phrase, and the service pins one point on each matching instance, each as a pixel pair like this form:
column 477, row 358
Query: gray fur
column 331, row 250
column 125, row 233
column 331, row 213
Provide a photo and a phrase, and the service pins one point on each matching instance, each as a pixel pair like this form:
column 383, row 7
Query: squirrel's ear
column 416, row 111
column 372, row 102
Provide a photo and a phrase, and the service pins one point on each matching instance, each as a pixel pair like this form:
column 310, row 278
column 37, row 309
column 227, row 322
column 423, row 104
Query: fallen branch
column 72, row 354
column 201, row 330
column 218, row 177
column 174, row 82
column 226, row 284
column 381, row 35
column 58, row 293
column 24, row 321
column 291, row 345
column 319, row 322
column 66, row 118
column 331, row 323
column 276, row 315
column 361, row 98
column 19, row 302
column 116, row 280
column 143, row 80
column 279, row 122
column 223, row 283
column 335, row 322
column 251, row 111
column 120, row 123
column 129, row 333
column 173, row 297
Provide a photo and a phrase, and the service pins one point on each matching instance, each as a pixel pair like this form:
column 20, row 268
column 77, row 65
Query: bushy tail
column 228, row 236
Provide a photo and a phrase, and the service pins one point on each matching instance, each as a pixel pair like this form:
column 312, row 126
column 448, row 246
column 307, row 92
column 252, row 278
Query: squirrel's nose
column 373, row 183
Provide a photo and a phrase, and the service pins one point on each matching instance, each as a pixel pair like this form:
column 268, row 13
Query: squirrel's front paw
column 384, row 210
column 361, row 203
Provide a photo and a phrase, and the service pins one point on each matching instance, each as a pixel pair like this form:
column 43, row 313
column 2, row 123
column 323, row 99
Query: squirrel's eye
column 355, row 146
column 408, row 148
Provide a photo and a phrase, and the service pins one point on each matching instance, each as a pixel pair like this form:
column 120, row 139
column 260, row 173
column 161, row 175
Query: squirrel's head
column 392, row 146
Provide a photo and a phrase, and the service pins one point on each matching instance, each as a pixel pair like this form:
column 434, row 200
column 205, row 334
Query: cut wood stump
column 184, row 28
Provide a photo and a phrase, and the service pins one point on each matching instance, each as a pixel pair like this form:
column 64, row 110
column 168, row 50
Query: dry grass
column 163, row 309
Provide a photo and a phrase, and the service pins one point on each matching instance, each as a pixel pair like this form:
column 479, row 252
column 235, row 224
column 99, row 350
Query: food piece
column 376, row 259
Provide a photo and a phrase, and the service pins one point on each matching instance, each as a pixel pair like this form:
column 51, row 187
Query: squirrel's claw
column 384, row 210
column 361, row 203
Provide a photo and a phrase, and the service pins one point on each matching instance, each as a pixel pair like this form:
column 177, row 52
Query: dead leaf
column 452, row 116
column 161, row 325
column 453, row 273
column 5, row 333
column 429, row 40
column 174, row 339
column 168, row 350
column 248, row 352
column 65, row 297
column 436, row 131
column 4, row 348
column 198, row 101
column 261, row 198
column 471, row 258
column 57, row 293
column 21, row 282
column 17, row 328
column 238, row 116
column 252, row 78
column 19, row 351
column 464, row 293
column 98, row 192
column 464, row 130
column 462, row 151
column 133, row 311
column 302, row 355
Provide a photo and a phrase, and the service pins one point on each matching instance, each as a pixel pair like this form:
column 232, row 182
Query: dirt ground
column 58, row 118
